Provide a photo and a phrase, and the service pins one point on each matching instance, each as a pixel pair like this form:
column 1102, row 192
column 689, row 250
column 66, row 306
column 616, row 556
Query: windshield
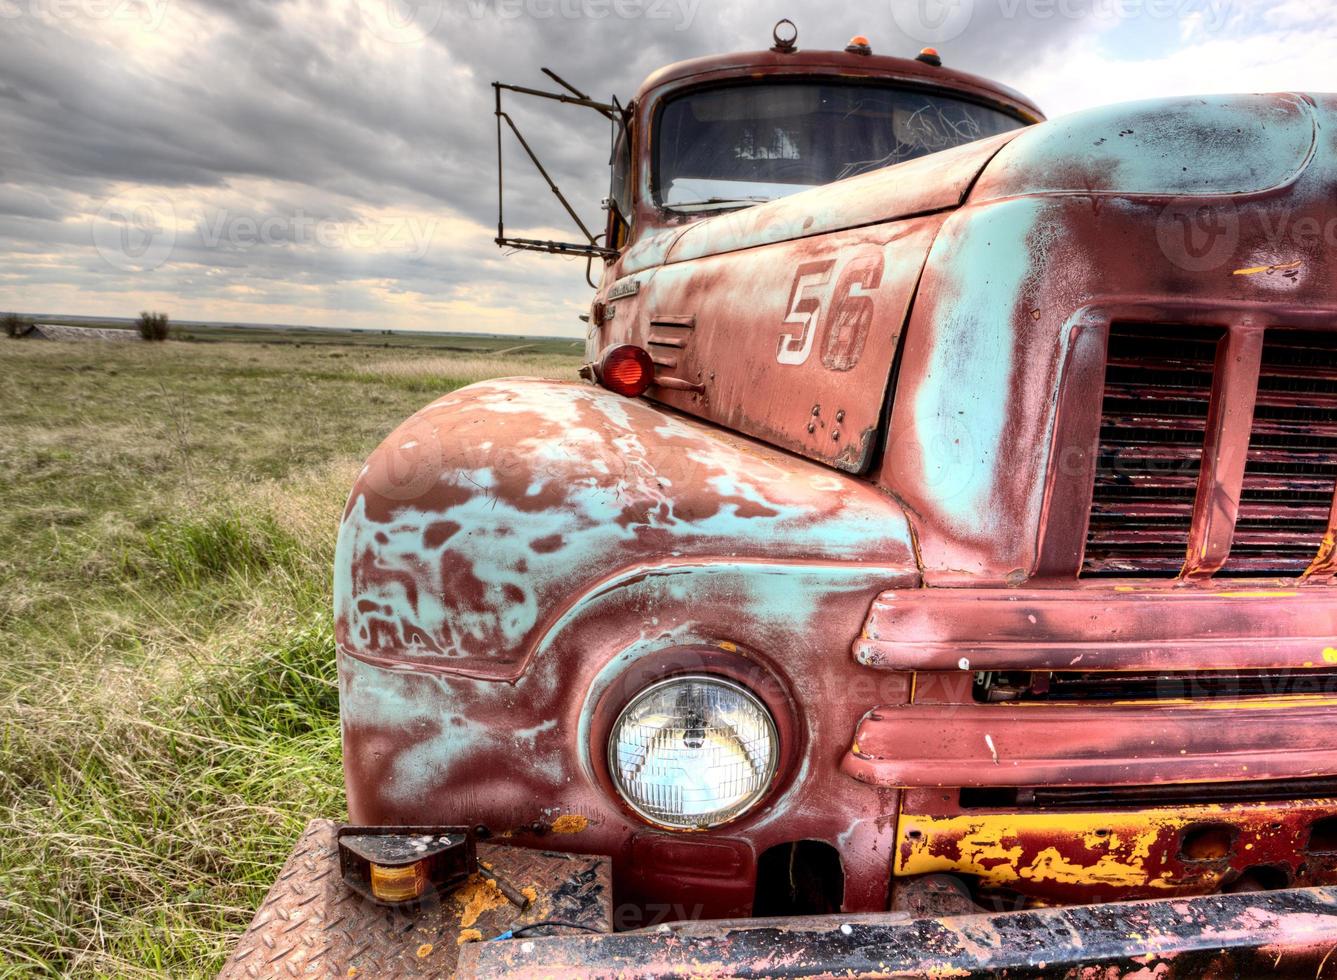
column 747, row 143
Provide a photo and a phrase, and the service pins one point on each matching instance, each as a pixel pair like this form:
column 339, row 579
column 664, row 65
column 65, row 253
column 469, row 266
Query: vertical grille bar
column 1225, row 450
column 1158, row 388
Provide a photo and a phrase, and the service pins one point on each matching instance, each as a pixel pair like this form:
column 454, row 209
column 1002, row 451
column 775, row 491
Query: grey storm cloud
column 342, row 105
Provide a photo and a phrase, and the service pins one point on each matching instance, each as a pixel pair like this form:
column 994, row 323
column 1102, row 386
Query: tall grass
column 168, row 706
column 143, row 819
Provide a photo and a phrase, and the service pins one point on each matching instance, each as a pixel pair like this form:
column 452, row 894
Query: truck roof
column 851, row 64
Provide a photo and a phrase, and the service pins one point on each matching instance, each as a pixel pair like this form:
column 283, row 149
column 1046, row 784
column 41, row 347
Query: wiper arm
column 720, row 202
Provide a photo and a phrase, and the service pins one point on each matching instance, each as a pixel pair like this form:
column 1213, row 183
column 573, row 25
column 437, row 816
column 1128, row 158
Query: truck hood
column 1200, row 146
column 1203, row 145
column 935, row 182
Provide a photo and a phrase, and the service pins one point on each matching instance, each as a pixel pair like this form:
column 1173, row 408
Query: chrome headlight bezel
column 722, row 816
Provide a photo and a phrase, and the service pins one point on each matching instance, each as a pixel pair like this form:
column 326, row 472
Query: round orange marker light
column 930, row 56
column 627, row 370
column 859, row 45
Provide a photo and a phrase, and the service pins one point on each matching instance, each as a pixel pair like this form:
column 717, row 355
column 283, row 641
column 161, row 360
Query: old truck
column 933, row 577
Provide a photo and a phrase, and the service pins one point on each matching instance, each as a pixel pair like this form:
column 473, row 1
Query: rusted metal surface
column 842, row 310
column 313, row 925
column 1141, row 626
column 1211, row 146
column 1057, row 855
column 1094, row 745
column 958, row 348
column 1277, row 934
column 967, row 432
column 1150, row 455
column 1224, row 450
column 496, row 511
column 936, row 182
column 522, row 557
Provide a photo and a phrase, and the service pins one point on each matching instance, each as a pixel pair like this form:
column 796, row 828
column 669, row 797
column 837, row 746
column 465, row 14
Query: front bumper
column 1260, row 934
column 313, row 925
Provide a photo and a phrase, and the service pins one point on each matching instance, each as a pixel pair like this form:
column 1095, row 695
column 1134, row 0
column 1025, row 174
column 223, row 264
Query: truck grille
column 1159, row 382
column 1141, row 797
column 1292, row 464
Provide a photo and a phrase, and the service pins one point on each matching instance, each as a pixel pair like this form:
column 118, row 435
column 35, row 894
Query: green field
column 463, row 343
column 167, row 529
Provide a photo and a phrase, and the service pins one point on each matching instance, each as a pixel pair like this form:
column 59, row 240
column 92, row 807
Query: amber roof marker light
column 626, row 369
column 930, row 56
column 859, row 45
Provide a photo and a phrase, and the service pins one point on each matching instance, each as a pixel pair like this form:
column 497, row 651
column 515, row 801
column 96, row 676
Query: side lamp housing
column 403, row 865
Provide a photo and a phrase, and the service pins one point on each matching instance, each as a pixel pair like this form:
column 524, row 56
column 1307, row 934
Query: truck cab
column 945, row 525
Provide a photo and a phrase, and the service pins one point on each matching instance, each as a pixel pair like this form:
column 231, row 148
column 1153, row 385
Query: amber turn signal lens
column 627, row 370
column 399, row 884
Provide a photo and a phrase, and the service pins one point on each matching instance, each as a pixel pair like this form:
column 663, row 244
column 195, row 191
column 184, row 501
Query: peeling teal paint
column 790, row 597
column 523, row 549
column 962, row 403
column 1199, row 145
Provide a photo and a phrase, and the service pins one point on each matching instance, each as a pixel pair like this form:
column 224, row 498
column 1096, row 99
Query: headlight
column 693, row 752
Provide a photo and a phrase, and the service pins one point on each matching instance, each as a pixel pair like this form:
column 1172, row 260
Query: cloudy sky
column 332, row 161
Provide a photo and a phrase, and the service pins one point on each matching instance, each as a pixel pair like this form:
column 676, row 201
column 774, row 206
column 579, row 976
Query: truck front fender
column 478, row 524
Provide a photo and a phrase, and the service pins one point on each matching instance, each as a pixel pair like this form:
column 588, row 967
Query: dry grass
column 170, row 713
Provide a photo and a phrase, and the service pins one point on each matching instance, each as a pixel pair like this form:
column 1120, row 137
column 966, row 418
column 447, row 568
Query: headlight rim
column 704, row 672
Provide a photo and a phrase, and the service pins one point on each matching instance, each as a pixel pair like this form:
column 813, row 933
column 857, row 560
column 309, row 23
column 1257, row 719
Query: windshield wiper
column 719, row 202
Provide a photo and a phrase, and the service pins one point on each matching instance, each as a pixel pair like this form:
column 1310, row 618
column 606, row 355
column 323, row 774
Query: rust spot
column 439, row 533
column 530, row 892
column 1323, row 836
column 476, row 896
column 546, row 545
column 1207, row 842
column 570, row 823
column 468, row 936
column 424, row 951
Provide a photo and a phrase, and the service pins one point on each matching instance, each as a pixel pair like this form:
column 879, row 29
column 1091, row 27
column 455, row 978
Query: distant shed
column 54, row 331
